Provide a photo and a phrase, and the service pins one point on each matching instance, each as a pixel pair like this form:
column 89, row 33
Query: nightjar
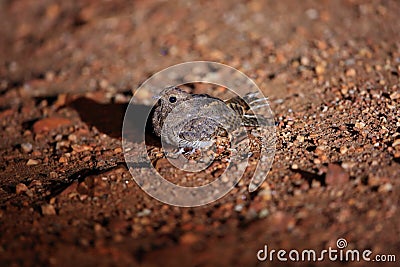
column 193, row 121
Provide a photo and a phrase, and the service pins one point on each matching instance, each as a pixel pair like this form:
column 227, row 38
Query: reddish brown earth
column 68, row 68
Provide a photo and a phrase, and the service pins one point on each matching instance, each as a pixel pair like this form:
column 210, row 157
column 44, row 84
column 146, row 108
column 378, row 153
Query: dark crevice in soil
column 309, row 176
column 59, row 186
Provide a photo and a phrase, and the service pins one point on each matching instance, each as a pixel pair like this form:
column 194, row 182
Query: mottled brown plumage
column 193, row 120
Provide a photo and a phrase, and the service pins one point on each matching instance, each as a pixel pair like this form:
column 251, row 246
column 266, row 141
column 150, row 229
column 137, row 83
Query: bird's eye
column 172, row 99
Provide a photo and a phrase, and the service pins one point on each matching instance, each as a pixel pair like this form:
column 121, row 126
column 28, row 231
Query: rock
column 63, row 160
column 343, row 150
column 143, row 213
column 26, row 147
column 48, row 209
column 395, row 95
column 348, row 165
column 32, row 162
column 20, row 188
column 359, row 125
column 263, row 213
column 81, row 148
column 387, row 187
column 238, row 208
column 189, row 239
column 319, row 69
column 396, row 143
column 118, row 150
column 72, row 138
column 351, row 72
column 336, row 175
column 48, row 124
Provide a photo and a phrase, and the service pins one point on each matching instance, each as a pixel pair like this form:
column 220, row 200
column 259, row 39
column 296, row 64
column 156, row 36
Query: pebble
column 396, row 142
column 238, row 208
column 336, row 175
column 26, row 147
column 265, row 194
column 118, row 150
column 263, row 213
column 395, row 95
column 319, row 69
column 20, row 188
column 348, row 165
column 359, row 125
column 387, row 187
column 143, row 213
column 81, row 148
column 32, row 162
column 351, row 72
column 72, row 137
column 48, row 209
column 189, row 239
column 48, row 124
column 312, row 13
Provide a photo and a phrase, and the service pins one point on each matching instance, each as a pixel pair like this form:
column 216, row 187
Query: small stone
column 32, row 162
column 396, row 142
column 238, row 208
column 295, row 166
column 72, row 137
column 63, row 160
column 61, row 101
column 48, row 124
column 348, row 165
column 97, row 227
column 305, row 61
column 336, row 175
column 351, row 72
column 300, row 138
column 26, row 147
column 20, row 188
column 319, row 69
column 81, row 148
column 36, row 153
column 373, row 181
column 312, row 13
column 143, row 213
column 87, row 158
column 320, row 150
column 265, row 194
column 48, row 209
column 387, row 187
column 58, row 137
column 189, row 239
column 120, row 98
column 263, row 213
column 395, row 95
column 118, row 150
column 343, row 150
column 359, row 125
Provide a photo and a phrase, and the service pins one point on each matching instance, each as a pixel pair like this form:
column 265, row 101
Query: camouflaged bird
column 193, row 121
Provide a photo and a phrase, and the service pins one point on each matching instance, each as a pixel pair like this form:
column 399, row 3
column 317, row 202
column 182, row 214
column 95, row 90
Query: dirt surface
column 68, row 69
